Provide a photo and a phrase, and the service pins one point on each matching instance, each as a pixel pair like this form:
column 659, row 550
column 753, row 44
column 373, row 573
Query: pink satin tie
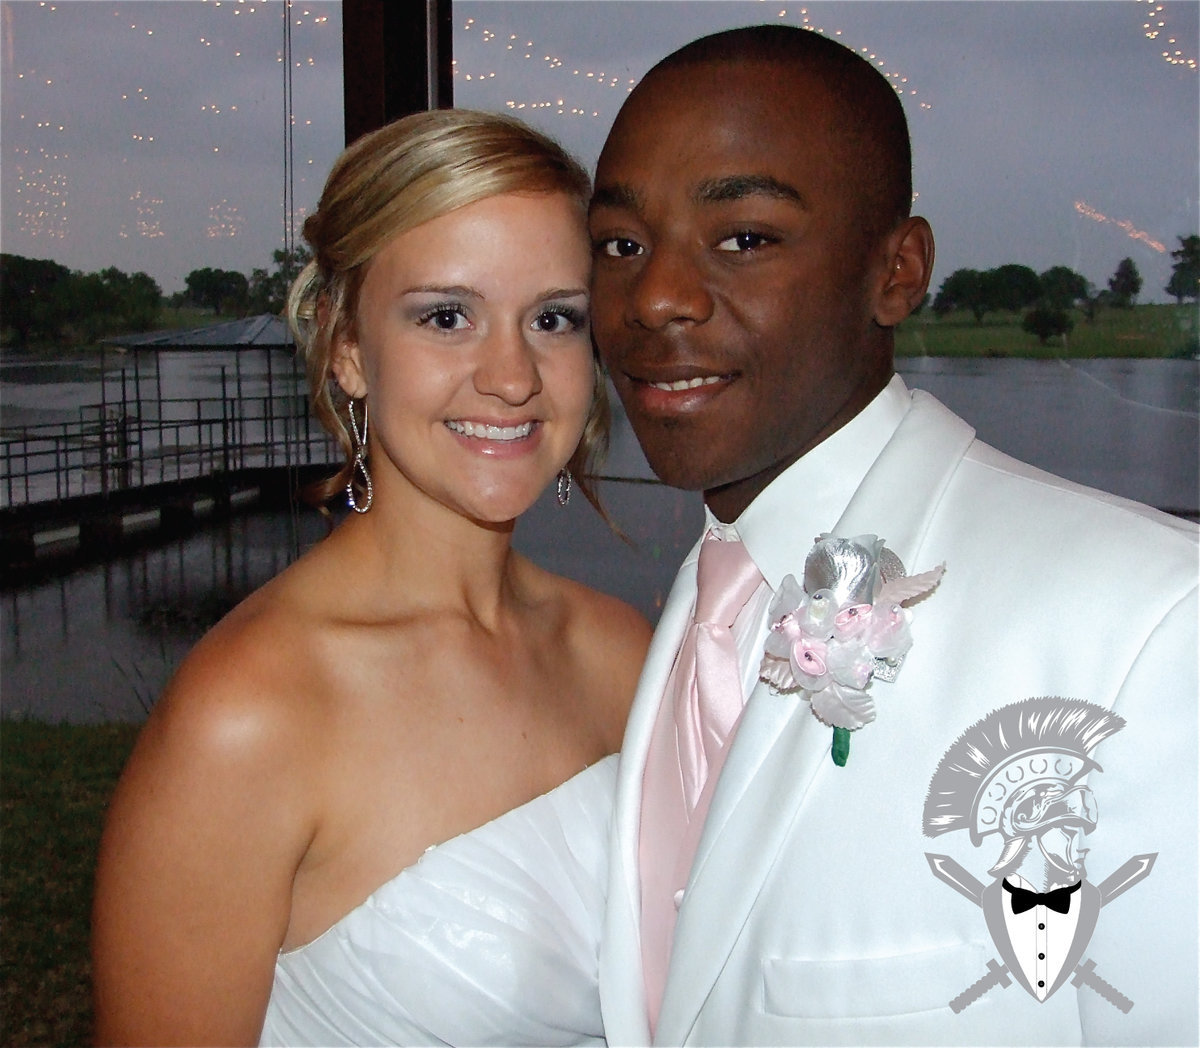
column 708, row 700
column 687, row 746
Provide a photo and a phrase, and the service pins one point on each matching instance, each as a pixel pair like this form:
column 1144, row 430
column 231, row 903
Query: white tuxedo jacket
column 811, row 915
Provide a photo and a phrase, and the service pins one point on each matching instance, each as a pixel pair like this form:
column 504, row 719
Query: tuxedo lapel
column 900, row 493
column 622, row 985
column 777, row 754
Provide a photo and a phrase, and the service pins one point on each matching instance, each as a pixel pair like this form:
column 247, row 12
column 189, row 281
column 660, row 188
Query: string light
column 224, row 220
column 1155, row 26
column 567, row 99
column 40, row 175
column 1130, row 229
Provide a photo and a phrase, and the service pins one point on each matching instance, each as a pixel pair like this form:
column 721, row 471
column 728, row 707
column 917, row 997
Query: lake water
column 101, row 642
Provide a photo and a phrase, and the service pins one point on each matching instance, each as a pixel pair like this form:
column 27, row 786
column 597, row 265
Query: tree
column 135, row 299
column 1011, row 287
column 1125, row 284
column 1185, row 272
column 88, row 302
column 1063, row 287
column 29, row 288
column 269, row 289
column 217, row 289
column 962, row 289
column 1091, row 301
column 47, row 301
column 1046, row 322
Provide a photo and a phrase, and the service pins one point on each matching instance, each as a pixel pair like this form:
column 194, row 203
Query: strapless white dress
column 491, row 938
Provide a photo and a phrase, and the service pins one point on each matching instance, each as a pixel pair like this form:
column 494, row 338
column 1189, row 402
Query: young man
column 754, row 250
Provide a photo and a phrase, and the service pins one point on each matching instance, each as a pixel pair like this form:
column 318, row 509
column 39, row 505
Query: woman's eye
column 444, row 318
column 746, row 241
column 620, row 247
column 558, row 321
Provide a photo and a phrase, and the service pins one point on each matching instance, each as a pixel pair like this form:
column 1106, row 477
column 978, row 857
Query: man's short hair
column 870, row 116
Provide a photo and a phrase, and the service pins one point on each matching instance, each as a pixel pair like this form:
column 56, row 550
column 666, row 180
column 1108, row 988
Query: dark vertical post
column 137, row 396
column 102, row 432
column 224, row 424
column 124, row 473
column 396, row 60
column 269, row 413
column 239, row 418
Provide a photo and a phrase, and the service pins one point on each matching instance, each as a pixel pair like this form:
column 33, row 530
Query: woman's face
column 471, row 344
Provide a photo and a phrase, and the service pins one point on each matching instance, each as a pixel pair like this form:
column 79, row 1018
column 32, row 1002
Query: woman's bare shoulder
column 588, row 613
column 253, row 688
column 607, row 639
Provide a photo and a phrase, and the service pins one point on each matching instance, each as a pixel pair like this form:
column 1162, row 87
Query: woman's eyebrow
column 460, row 290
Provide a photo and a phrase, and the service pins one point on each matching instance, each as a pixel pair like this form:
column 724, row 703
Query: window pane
column 151, row 136
column 1044, row 135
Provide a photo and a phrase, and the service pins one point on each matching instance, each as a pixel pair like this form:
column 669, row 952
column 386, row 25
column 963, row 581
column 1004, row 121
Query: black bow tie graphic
column 1058, row 900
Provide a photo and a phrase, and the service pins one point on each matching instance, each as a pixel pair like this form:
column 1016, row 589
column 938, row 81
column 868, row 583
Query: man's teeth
column 486, row 432
column 687, row 383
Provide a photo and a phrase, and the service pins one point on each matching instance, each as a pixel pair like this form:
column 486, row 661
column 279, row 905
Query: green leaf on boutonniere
column 841, row 746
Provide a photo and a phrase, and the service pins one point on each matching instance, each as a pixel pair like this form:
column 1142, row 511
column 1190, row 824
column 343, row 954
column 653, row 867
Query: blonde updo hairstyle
column 389, row 181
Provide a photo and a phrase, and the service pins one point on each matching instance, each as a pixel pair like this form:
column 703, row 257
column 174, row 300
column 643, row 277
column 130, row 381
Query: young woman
column 360, row 813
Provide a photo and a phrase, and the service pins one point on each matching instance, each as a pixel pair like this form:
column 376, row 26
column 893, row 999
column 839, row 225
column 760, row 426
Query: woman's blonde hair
column 388, row 182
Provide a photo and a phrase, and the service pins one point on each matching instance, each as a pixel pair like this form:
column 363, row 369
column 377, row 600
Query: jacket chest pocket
column 865, row 987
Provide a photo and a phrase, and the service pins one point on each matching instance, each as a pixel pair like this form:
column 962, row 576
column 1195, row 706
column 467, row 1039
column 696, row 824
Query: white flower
column 831, row 636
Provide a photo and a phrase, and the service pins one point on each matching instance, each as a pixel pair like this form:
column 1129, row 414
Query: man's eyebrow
column 618, row 194
column 737, row 187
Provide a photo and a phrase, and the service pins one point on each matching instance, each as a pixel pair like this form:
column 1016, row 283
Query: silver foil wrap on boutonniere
column 845, row 627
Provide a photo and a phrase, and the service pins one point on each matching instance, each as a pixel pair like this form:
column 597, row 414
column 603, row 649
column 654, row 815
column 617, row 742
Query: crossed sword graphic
column 1117, row 882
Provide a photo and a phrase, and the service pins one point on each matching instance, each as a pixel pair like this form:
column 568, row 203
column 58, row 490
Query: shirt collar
column 780, row 526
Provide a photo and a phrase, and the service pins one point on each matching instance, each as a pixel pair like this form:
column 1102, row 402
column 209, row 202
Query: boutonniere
column 847, row 626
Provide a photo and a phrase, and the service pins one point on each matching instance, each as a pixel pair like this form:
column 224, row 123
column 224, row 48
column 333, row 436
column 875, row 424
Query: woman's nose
column 508, row 368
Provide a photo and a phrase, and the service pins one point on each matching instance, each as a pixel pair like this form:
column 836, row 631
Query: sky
column 150, row 135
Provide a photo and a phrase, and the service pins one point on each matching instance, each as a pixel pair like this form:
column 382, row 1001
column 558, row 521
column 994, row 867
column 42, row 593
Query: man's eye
column 746, row 241
column 620, row 247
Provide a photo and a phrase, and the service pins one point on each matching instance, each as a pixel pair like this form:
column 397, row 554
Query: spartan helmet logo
column 1018, row 773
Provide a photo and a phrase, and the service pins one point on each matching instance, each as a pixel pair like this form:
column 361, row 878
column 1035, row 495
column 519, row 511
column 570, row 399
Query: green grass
column 1144, row 331
column 55, row 782
column 171, row 318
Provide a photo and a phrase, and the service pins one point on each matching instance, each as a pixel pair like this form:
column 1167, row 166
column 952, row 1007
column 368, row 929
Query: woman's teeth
column 486, row 432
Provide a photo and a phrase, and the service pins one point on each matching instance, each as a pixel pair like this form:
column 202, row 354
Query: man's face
column 734, row 286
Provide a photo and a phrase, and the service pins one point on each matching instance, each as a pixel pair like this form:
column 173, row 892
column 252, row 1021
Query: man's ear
column 910, row 265
column 347, row 368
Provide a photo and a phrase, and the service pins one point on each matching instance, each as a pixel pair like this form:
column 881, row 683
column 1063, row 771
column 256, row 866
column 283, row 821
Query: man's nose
column 508, row 367
column 669, row 288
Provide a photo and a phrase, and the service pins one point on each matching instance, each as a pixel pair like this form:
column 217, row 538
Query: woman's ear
column 910, row 265
column 346, row 366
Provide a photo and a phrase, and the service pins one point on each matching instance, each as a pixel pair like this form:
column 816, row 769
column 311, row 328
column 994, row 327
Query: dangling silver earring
column 563, row 492
column 360, row 462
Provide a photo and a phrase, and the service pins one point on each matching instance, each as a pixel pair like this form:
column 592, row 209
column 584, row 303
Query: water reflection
column 1122, row 425
column 101, row 643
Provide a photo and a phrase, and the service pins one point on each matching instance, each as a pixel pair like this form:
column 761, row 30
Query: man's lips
column 671, row 394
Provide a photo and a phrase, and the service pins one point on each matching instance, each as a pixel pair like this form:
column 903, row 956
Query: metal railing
column 119, row 446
